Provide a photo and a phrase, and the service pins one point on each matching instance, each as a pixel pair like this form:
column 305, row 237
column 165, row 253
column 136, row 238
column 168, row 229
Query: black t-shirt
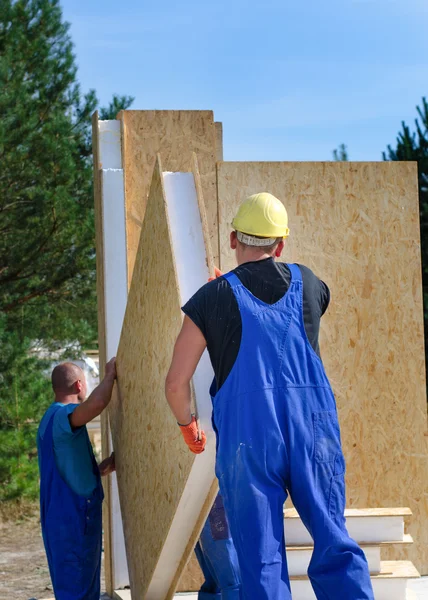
column 214, row 308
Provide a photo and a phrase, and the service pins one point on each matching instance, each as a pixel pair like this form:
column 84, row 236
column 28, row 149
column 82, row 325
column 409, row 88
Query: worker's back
column 214, row 308
column 71, row 449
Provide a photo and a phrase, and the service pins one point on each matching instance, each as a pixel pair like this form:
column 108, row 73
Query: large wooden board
column 356, row 225
column 175, row 134
column 165, row 491
column 144, row 133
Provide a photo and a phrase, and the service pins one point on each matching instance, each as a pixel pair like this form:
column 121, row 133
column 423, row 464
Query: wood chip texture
column 175, row 134
column 356, row 225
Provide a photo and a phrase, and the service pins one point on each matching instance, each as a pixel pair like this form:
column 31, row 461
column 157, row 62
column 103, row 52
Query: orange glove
column 191, row 436
column 217, row 273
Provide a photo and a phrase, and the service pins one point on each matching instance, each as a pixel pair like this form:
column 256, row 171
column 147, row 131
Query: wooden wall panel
column 154, row 466
column 192, row 577
column 152, row 322
column 219, row 141
column 175, row 135
column 356, row 225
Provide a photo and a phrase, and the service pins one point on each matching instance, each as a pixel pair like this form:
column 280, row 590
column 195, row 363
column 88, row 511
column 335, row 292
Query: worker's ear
column 279, row 249
column 78, row 386
column 233, row 240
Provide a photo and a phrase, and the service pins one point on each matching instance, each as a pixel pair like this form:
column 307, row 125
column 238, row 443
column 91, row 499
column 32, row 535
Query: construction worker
column 274, row 411
column 70, row 485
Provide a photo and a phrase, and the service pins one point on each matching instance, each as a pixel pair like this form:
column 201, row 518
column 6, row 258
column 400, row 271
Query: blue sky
column 289, row 80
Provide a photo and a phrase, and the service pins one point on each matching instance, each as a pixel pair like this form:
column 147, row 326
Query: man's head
column 260, row 226
column 69, row 380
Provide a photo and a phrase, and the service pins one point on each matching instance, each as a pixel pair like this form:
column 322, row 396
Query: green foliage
column 47, row 233
column 47, row 256
column 341, row 153
column 413, row 145
column 25, row 395
column 117, row 104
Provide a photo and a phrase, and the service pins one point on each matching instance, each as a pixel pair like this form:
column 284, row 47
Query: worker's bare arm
column 98, row 400
column 188, row 350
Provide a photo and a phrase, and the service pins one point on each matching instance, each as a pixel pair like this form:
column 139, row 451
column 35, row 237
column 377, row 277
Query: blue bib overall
column 71, row 526
column 278, row 432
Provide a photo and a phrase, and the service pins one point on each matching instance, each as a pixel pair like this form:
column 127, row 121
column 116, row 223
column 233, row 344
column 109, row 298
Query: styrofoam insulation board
column 115, row 272
column 298, row 559
column 192, row 271
column 384, row 589
column 110, row 150
column 115, row 297
column 362, row 529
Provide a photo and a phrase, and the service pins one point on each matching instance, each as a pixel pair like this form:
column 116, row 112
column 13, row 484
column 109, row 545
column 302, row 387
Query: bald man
column 71, row 494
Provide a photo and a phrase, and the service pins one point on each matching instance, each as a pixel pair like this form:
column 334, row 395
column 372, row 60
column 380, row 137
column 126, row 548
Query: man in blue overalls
column 273, row 410
column 70, row 485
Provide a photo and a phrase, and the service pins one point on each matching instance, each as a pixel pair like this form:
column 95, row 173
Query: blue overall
column 71, row 526
column 217, row 558
column 277, row 433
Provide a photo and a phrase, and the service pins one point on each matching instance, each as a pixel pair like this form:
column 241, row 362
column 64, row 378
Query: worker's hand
column 110, row 370
column 217, row 273
column 108, row 465
column 191, row 436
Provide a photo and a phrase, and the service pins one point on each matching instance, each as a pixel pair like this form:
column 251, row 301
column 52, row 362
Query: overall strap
column 47, row 437
column 233, row 280
column 296, row 274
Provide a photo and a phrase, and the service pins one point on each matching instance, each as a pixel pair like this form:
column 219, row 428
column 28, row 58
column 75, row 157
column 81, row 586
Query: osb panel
column 192, row 578
column 356, row 226
column 153, row 464
column 219, row 140
column 105, row 449
column 175, row 134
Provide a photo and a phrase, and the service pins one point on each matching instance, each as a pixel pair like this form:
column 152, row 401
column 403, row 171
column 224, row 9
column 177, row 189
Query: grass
column 18, row 510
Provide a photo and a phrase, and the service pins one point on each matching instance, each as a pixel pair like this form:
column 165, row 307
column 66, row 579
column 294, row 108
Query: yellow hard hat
column 262, row 215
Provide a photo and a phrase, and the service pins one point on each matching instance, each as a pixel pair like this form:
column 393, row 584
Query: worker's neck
column 67, row 398
column 252, row 256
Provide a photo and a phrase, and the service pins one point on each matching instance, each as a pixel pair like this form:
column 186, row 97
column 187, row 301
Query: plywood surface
column 175, row 135
column 192, row 578
column 143, row 430
column 219, row 140
column 356, row 225
column 154, row 466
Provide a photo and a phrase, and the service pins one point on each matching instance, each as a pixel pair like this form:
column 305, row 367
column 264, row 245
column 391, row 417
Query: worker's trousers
column 217, row 558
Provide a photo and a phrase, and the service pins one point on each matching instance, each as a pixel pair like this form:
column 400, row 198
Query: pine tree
column 47, row 235
column 47, row 258
column 341, row 153
column 26, row 393
column 414, row 146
